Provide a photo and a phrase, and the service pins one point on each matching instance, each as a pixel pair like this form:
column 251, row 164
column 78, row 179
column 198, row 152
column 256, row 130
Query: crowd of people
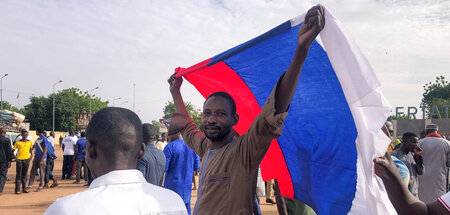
column 40, row 154
column 415, row 174
column 135, row 173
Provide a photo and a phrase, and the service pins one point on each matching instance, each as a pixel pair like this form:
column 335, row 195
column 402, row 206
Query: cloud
column 113, row 44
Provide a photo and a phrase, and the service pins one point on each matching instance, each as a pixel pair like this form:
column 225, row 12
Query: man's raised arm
column 175, row 84
column 182, row 122
column 311, row 27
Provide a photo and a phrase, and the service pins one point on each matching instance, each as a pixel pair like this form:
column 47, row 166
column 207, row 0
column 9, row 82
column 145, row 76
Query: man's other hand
column 175, row 83
column 385, row 167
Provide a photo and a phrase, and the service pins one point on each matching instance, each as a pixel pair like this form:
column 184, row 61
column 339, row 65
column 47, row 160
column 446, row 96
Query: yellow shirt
column 24, row 149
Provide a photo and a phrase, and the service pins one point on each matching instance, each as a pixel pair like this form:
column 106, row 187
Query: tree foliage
column 436, row 94
column 169, row 109
column 68, row 103
column 8, row 106
column 403, row 116
column 155, row 124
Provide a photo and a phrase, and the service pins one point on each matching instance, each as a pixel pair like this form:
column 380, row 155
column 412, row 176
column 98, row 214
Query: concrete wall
column 409, row 125
column 57, row 135
column 444, row 126
column 418, row 125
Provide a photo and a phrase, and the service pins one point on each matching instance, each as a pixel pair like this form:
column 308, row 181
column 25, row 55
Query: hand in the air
column 175, row 83
column 385, row 167
column 311, row 27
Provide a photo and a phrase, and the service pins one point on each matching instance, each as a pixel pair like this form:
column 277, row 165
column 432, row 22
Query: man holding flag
column 229, row 165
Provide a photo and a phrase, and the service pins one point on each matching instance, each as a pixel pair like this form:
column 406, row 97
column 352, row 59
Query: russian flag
column 333, row 129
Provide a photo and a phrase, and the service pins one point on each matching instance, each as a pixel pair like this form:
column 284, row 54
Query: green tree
column 155, row 124
column 169, row 109
column 68, row 103
column 436, row 94
column 8, row 106
column 400, row 117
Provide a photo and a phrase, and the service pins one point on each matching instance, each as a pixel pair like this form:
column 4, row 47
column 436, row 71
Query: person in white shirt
column 51, row 138
column 114, row 145
column 68, row 152
column 19, row 137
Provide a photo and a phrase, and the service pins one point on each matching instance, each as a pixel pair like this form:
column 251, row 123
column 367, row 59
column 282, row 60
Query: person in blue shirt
column 80, row 155
column 181, row 162
column 51, row 156
column 153, row 162
column 40, row 154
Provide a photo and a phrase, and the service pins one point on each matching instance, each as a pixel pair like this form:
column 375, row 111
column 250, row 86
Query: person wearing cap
column 436, row 158
column 181, row 162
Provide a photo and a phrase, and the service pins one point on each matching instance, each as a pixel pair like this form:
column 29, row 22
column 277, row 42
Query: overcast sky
column 113, row 44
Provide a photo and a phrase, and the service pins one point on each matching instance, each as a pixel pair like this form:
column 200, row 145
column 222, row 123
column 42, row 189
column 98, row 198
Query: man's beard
column 221, row 133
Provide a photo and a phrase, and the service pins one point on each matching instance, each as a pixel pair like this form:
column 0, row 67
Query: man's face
column 411, row 143
column 24, row 136
column 217, row 119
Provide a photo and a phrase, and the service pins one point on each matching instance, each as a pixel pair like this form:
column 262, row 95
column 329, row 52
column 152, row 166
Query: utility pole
column 53, row 127
column 1, row 91
column 90, row 103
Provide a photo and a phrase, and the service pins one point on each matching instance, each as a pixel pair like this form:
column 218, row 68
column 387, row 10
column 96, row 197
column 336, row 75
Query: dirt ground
column 38, row 202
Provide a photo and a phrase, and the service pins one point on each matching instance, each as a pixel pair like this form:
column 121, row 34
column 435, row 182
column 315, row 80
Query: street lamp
column 115, row 100
column 54, row 95
column 1, row 91
column 90, row 103
column 123, row 103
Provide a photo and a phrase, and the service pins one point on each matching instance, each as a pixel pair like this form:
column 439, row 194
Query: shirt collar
column 129, row 176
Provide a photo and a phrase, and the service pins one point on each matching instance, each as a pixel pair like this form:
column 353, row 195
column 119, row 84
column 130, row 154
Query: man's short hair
column 227, row 97
column 408, row 135
column 23, row 131
column 148, row 132
column 83, row 134
column 40, row 130
column 115, row 130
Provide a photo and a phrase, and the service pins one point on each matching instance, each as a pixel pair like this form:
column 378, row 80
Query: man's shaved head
column 115, row 131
